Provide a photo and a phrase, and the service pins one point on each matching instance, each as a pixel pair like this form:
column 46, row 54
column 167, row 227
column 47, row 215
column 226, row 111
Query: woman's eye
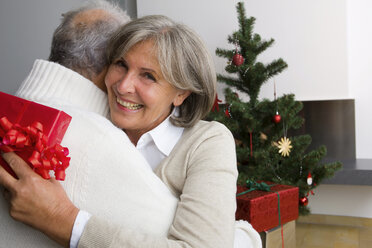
column 121, row 63
column 149, row 76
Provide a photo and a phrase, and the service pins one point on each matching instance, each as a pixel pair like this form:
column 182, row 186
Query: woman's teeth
column 129, row 105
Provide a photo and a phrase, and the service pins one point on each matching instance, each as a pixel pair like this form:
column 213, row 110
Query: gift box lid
column 25, row 112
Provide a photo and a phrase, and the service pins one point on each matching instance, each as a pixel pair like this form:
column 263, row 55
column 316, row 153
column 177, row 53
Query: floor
column 325, row 231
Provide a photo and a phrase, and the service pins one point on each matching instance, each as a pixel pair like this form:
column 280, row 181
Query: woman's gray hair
column 184, row 61
column 82, row 46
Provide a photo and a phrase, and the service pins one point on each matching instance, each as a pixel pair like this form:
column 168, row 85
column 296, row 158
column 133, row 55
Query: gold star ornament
column 284, row 146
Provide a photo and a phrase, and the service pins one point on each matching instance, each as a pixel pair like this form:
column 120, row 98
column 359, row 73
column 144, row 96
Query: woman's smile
column 128, row 105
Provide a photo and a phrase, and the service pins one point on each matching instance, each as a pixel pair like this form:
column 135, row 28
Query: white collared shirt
column 154, row 145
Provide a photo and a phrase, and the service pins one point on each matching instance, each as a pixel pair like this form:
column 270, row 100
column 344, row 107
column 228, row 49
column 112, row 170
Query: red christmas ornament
column 304, row 201
column 238, row 59
column 277, row 118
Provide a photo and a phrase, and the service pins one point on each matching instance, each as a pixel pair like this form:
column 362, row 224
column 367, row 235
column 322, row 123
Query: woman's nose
column 126, row 84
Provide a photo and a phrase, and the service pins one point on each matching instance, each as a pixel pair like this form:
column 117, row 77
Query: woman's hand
column 39, row 203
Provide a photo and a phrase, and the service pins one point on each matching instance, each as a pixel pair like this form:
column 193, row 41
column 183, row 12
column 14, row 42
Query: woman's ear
column 180, row 97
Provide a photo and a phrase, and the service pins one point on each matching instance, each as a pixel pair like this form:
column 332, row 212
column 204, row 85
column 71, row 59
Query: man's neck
column 98, row 80
column 52, row 83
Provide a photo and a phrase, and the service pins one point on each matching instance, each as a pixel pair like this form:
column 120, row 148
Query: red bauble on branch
column 277, row 118
column 238, row 59
column 304, row 201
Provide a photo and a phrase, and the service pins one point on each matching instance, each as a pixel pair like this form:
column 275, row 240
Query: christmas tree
column 265, row 148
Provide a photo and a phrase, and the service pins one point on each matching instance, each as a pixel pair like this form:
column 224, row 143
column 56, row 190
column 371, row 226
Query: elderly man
column 107, row 176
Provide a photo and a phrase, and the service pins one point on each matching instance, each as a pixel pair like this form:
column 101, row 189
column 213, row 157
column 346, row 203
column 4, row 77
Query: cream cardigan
column 201, row 170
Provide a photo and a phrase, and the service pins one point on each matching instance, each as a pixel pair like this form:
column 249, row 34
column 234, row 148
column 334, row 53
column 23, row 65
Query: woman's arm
column 206, row 212
column 39, row 203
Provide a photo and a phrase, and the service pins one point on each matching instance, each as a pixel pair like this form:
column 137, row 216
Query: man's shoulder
column 89, row 119
column 87, row 123
column 93, row 132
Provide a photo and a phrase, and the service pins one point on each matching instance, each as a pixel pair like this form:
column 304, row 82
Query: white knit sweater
column 107, row 176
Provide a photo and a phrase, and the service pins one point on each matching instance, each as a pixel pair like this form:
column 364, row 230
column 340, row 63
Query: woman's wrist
column 61, row 227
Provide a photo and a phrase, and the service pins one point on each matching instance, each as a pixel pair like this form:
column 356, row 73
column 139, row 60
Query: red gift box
column 260, row 208
column 34, row 132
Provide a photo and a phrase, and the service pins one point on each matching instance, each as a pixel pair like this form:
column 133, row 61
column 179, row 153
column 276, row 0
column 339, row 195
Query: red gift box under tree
column 260, row 208
column 34, row 132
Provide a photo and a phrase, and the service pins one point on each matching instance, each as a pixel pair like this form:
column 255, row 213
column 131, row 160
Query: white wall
column 326, row 44
column 26, row 32
column 309, row 35
column 344, row 200
column 360, row 71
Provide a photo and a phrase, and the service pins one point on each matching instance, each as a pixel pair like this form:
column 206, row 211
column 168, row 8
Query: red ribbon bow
column 32, row 139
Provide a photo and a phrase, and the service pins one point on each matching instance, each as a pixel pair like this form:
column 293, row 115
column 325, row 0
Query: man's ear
column 181, row 96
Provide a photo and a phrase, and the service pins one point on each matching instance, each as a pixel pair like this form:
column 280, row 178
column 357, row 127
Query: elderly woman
column 160, row 84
